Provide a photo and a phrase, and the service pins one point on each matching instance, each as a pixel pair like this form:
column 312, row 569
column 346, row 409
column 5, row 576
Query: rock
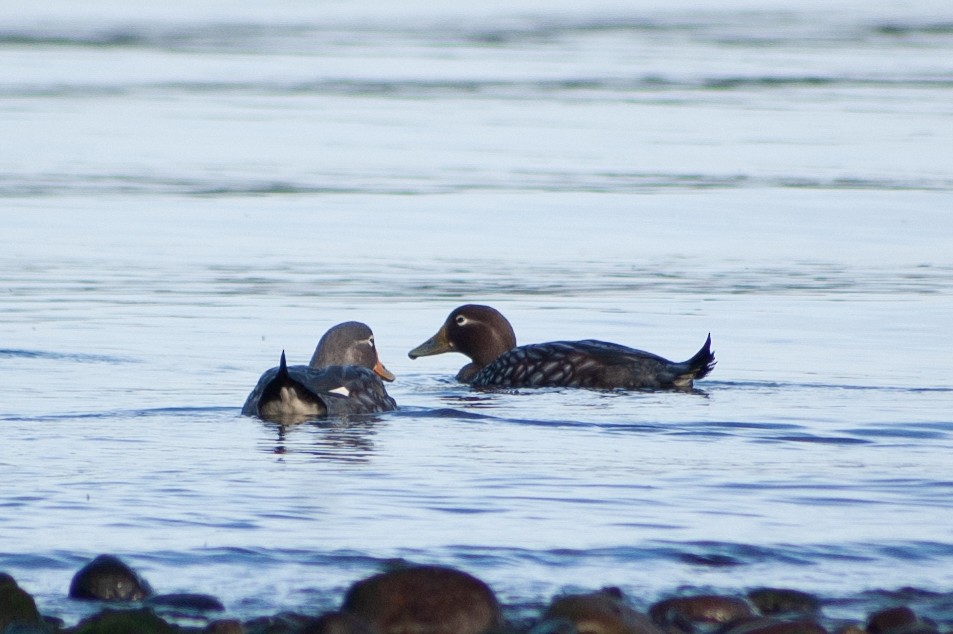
column 107, row 578
column 554, row 626
column 338, row 623
column 684, row 612
column 17, row 607
column 890, row 619
column 426, row 599
column 602, row 612
column 767, row 625
column 187, row 602
column 29, row 628
column 224, row 626
column 141, row 621
column 899, row 620
column 282, row 623
column 771, row 601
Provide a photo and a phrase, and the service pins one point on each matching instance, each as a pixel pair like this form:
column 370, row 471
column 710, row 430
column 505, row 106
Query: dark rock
column 28, row 628
column 283, row 623
column 684, row 612
column 554, row 626
column 920, row 627
column 430, row 599
column 141, row 621
column 765, row 625
column 187, row 602
column 338, row 623
column 850, row 628
column 602, row 612
column 771, row 601
column 890, row 619
column 107, row 578
column 17, row 607
column 899, row 620
column 224, row 626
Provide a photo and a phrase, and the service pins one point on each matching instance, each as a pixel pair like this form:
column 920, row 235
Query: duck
column 344, row 377
column 484, row 335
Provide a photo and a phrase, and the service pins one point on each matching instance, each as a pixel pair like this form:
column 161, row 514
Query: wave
column 650, row 86
column 33, row 186
column 701, row 553
column 14, row 353
column 164, row 412
column 753, row 28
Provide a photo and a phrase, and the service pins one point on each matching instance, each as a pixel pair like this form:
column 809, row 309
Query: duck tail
column 282, row 367
column 703, row 362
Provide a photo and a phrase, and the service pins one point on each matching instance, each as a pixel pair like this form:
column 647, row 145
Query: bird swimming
column 343, row 377
column 485, row 336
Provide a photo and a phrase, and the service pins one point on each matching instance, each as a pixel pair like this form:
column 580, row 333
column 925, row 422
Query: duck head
column 350, row 343
column 479, row 332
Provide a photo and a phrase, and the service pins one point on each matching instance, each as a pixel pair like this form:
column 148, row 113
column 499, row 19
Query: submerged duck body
column 343, row 378
column 300, row 391
column 484, row 335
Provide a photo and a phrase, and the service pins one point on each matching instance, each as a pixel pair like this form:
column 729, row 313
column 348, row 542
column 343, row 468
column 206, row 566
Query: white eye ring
column 460, row 320
column 370, row 342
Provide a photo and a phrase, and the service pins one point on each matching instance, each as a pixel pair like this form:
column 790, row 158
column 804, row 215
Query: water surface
column 186, row 193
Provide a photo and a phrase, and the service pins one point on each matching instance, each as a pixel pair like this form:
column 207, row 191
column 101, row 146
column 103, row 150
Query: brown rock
column 141, row 621
column 684, row 612
column 338, row 623
column 890, row 619
column 602, row 612
column 224, row 626
column 107, row 578
column 899, row 620
column 783, row 601
column 425, row 600
column 16, row 604
column 766, row 625
column 281, row 623
column 186, row 602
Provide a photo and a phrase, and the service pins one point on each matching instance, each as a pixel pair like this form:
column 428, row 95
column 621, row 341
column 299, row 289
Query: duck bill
column 438, row 344
column 383, row 372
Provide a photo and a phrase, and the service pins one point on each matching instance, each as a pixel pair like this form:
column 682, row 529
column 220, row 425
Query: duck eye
column 370, row 342
column 460, row 320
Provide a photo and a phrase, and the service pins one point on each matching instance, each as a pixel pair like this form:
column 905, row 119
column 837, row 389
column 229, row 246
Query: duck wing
column 594, row 364
column 350, row 389
column 621, row 366
column 300, row 392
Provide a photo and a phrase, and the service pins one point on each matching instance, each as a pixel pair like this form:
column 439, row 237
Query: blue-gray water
column 187, row 189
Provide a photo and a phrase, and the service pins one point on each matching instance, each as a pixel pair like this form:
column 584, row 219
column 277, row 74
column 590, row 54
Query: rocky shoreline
column 439, row 600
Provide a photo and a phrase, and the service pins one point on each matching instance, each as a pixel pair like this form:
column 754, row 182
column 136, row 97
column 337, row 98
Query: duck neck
column 468, row 372
column 492, row 348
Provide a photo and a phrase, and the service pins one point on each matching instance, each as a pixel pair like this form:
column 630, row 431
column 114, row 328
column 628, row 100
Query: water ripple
column 13, row 353
column 428, row 183
column 304, row 36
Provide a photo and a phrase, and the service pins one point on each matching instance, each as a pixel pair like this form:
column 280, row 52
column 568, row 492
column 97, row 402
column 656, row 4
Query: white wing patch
column 343, row 391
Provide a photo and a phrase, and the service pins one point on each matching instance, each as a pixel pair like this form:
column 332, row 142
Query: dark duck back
column 343, row 378
column 487, row 338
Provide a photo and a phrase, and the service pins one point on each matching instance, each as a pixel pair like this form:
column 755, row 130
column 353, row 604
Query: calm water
column 186, row 191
